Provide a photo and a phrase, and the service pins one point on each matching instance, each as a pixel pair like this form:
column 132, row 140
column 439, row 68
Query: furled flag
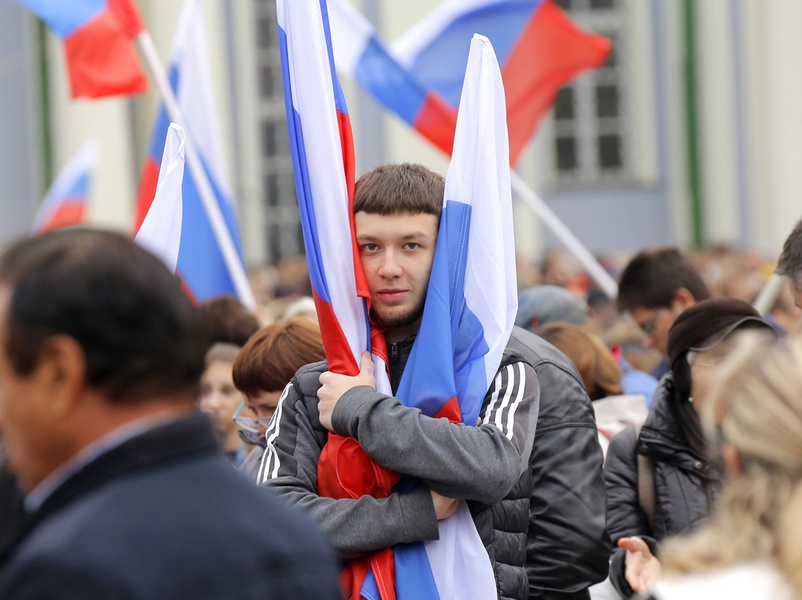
column 323, row 162
column 161, row 230
column 201, row 263
column 66, row 201
column 97, row 36
column 469, row 314
column 539, row 47
column 472, row 340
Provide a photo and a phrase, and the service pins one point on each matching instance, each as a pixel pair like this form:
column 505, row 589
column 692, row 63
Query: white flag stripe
column 309, row 70
column 480, row 170
column 160, row 232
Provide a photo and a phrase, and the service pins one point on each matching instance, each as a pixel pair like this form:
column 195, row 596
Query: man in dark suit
column 126, row 492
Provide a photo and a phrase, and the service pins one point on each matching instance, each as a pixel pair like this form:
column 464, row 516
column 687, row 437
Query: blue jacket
column 164, row 516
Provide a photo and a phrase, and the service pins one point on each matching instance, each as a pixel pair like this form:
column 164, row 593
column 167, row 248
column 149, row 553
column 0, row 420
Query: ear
column 681, row 300
column 62, row 371
column 732, row 460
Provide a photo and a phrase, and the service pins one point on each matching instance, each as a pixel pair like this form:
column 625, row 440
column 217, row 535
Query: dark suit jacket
column 165, row 516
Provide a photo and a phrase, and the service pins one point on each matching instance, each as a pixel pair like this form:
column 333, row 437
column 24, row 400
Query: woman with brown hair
column 601, row 374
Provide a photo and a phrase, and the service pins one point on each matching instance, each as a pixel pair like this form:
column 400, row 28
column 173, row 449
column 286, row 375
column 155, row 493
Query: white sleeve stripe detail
column 514, row 407
column 498, row 418
column 493, row 398
column 270, row 461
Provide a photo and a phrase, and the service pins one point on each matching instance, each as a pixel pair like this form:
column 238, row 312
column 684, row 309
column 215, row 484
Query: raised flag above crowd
column 420, row 77
column 160, row 231
column 66, row 201
column 201, row 262
column 97, row 36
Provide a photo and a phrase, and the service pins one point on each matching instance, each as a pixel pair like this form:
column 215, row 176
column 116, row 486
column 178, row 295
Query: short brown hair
column 400, row 188
column 271, row 357
column 599, row 370
column 654, row 275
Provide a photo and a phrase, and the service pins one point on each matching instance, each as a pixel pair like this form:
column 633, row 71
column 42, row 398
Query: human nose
column 390, row 267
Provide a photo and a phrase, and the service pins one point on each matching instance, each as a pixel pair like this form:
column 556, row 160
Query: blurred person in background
column 602, row 376
column 660, row 481
column 542, row 305
column 750, row 548
column 655, row 287
column 219, row 398
column 263, row 369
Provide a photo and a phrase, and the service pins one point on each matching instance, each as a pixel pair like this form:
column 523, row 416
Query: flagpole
column 768, row 295
column 553, row 222
column 216, row 219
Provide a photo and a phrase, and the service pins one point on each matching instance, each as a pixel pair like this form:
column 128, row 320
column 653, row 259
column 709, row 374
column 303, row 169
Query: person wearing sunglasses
column 262, row 370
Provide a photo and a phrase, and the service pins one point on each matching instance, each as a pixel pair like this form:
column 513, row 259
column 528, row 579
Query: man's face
column 397, row 253
column 30, row 445
column 655, row 324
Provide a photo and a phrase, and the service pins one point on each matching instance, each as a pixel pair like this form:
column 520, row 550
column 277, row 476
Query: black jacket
column 553, row 521
column 686, row 485
column 163, row 515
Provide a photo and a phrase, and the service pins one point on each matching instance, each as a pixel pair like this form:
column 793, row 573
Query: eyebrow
column 409, row 236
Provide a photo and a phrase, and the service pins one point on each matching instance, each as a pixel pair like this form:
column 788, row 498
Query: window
column 282, row 226
column 591, row 139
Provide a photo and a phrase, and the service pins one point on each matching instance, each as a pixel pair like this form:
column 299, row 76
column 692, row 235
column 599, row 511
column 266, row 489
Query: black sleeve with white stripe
column 459, row 461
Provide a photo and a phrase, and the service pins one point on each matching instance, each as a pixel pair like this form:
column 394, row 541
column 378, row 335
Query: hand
column 443, row 507
column 641, row 567
column 334, row 385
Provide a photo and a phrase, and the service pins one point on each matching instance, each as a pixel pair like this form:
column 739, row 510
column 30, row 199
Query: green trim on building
column 45, row 127
column 692, row 126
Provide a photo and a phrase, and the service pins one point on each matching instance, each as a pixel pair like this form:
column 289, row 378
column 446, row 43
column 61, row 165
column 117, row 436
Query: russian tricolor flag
column 539, row 47
column 472, row 333
column 201, row 263
column 160, row 232
column 66, row 201
column 97, row 34
column 469, row 314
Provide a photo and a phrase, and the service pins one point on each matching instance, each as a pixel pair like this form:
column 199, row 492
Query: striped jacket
column 481, row 464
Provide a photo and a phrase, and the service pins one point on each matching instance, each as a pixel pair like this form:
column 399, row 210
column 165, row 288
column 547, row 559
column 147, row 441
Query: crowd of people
column 647, row 446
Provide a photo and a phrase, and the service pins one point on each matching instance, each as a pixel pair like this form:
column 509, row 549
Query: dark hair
column 654, row 275
column 274, row 353
column 790, row 262
column 398, row 189
column 136, row 327
column 225, row 320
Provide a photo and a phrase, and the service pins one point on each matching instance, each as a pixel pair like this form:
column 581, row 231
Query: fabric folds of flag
column 97, row 35
column 160, row 232
column 323, row 162
column 359, row 54
column 66, row 201
column 469, row 314
column 538, row 46
column 201, row 264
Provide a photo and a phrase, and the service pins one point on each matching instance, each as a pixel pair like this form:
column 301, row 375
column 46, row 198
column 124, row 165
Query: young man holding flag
column 537, row 552
column 397, row 213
